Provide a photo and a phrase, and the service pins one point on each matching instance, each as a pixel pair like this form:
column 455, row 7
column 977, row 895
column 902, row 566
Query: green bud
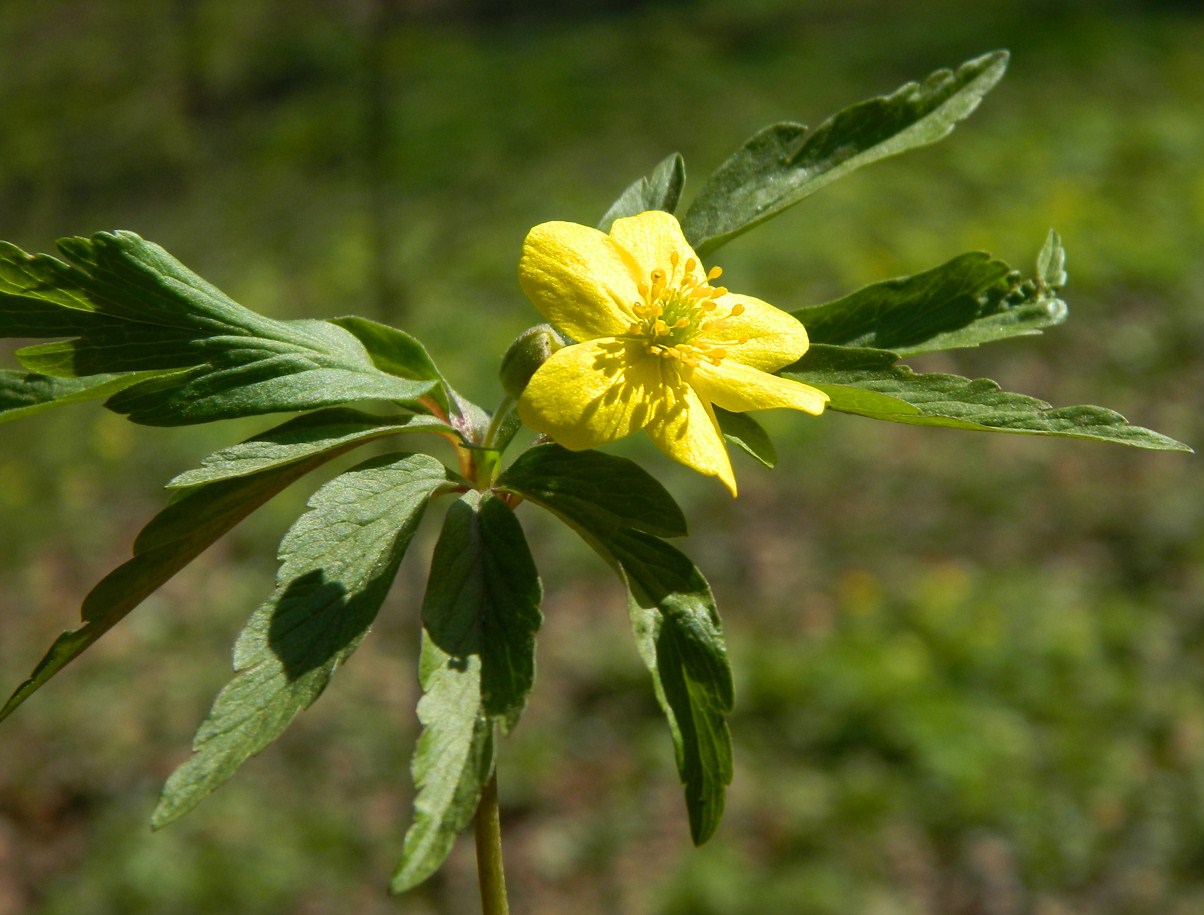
column 527, row 353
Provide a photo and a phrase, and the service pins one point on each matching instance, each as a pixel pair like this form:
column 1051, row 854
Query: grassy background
column 968, row 667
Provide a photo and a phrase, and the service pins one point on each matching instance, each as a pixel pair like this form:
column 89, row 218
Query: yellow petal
column 654, row 239
column 738, row 388
column 579, row 279
column 591, row 393
column 684, row 427
column 775, row 339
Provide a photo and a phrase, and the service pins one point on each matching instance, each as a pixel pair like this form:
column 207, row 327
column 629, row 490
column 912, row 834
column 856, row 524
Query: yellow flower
column 656, row 344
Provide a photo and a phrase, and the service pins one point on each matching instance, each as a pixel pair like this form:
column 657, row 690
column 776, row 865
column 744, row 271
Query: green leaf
column 392, row 350
column 172, row 539
column 482, row 600
column 1051, row 262
column 673, row 613
column 23, row 394
column 398, row 353
column 970, row 300
column 747, row 434
column 452, row 761
column 680, row 639
column 659, row 190
column 480, row 615
column 136, row 308
column 337, row 563
column 595, row 490
column 782, row 165
column 869, row 383
column 302, row 438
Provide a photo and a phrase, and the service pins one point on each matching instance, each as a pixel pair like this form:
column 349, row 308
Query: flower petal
column 592, row 393
column 775, row 339
column 738, row 388
column 579, row 279
column 652, row 238
column 685, row 428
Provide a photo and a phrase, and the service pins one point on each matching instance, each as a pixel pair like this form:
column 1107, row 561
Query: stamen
column 658, row 281
column 715, row 272
column 737, row 310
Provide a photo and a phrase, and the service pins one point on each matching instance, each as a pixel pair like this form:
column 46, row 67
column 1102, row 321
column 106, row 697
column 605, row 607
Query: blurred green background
column 968, row 667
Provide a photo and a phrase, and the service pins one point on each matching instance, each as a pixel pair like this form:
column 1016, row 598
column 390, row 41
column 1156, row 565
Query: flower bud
column 527, row 353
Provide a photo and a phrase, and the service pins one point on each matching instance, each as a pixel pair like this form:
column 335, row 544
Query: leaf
column 482, row 599
column 782, row 165
column 452, row 761
column 243, row 377
column 480, row 615
column 136, row 308
column 672, row 610
column 869, row 383
column 23, row 394
column 398, row 353
column 172, row 539
column 659, row 190
column 970, row 300
column 301, row 438
column 596, row 490
column 337, row 563
column 680, row 639
column 1051, row 262
column 747, row 434
column 392, row 350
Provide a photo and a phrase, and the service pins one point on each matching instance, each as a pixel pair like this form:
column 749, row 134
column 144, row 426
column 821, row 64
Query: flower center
column 678, row 316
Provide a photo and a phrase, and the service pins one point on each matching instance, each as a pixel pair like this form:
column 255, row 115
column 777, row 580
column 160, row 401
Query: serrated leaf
column 301, row 438
column 136, row 308
column 480, row 615
column 172, row 539
column 482, row 599
column 747, row 434
column 967, row 301
column 677, row 631
column 870, row 383
column 680, row 638
column 782, row 165
column 337, row 563
column 23, row 394
column 594, row 489
column 1051, row 262
column 452, row 761
column 659, row 190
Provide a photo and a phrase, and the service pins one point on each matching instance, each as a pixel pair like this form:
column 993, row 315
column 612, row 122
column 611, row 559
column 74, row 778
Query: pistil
column 679, row 315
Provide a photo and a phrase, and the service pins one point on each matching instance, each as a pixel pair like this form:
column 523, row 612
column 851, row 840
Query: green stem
column 490, row 874
column 495, row 424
